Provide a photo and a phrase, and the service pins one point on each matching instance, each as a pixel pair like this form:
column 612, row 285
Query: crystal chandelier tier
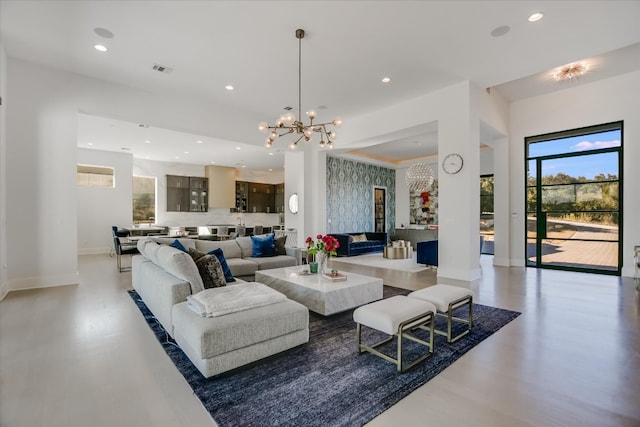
column 287, row 124
column 419, row 178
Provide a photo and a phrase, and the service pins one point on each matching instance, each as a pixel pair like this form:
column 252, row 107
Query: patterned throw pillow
column 359, row 238
column 223, row 262
column 211, row 271
column 280, row 241
column 195, row 254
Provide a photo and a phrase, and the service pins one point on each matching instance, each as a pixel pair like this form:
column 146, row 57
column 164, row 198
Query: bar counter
column 414, row 235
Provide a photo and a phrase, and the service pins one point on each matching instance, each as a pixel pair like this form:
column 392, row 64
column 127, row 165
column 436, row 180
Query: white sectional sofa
column 239, row 255
column 164, row 277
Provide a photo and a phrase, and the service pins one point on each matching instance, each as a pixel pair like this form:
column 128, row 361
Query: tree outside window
column 144, row 200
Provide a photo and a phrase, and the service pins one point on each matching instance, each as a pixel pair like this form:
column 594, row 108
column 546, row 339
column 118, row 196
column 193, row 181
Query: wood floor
column 82, row 355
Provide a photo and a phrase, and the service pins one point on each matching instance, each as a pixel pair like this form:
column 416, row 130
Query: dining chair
column 123, row 248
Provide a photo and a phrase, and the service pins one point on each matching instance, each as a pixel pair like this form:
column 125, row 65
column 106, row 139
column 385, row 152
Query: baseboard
column 4, row 290
column 43, row 282
column 501, row 262
column 94, row 251
column 627, row 272
column 467, row 276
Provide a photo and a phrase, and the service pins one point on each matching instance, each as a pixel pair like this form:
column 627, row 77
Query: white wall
column 41, row 158
column 41, row 135
column 600, row 102
column 4, row 284
column 459, row 110
column 101, row 208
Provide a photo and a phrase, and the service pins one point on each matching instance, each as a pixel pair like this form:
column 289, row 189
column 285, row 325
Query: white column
column 459, row 194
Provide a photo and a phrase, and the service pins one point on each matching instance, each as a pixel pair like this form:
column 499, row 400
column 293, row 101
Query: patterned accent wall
column 350, row 195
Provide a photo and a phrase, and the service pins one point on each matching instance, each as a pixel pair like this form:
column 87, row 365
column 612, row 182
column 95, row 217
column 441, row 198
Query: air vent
column 143, row 125
column 162, row 69
column 288, row 108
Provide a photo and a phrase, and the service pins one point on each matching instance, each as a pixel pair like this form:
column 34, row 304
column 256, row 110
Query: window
column 144, row 200
column 486, row 213
column 95, row 176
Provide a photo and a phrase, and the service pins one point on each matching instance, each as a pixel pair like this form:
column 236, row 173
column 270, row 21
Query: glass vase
column 322, row 259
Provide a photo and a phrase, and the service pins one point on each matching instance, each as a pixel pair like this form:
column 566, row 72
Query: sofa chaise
column 164, row 277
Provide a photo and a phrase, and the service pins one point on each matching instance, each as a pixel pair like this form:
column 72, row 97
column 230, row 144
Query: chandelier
column 570, row 72
column 419, row 178
column 288, row 124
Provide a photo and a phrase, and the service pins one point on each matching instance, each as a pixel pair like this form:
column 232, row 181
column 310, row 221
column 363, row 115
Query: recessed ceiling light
column 186, row 152
column 103, row 32
column 244, row 166
column 386, row 79
column 500, row 31
column 271, row 153
column 228, row 87
column 199, row 142
column 270, row 170
column 147, row 142
column 100, row 47
column 213, row 163
column 536, row 16
column 177, row 158
column 89, row 143
column 237, row 148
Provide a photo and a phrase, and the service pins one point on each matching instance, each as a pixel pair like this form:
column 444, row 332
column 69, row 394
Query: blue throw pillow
column 176, row 244
column 263, row 246
column 223, row 262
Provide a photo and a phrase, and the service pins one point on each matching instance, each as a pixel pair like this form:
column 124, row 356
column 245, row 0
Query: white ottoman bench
column 447, row 298
column 395, row 316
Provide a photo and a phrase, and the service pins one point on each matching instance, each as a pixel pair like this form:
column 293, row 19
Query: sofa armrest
column 427, row 252
column 294, row 252
column 345, row 241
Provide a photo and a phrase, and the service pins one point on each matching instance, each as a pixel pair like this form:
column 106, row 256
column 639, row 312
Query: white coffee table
column 321, row 295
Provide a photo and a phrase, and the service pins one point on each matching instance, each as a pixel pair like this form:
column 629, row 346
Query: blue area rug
column 324, row 382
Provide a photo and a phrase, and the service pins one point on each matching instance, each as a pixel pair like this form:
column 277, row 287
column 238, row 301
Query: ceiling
column 423, row 46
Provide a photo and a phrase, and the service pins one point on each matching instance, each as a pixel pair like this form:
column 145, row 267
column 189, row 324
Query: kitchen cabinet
column 187, row 194
column 279, row 198
column 222, row 186
column 198, row 194
column 177, row 193
column 242, row 190
column 256, row 197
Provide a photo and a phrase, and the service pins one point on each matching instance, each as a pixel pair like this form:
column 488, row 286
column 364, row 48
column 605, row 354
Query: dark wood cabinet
column 177, row 193
column 242, row 190
column 187, row 194
column 256, row 197
column 279, row 198
column 198, row 194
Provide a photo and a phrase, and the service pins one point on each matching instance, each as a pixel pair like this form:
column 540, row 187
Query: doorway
column 379, row 209
column 574, row 200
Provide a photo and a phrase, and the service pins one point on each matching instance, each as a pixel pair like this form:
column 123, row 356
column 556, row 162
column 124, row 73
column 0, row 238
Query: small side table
column 399, row 249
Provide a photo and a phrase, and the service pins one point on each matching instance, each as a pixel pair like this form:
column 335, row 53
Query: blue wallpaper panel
column 350, row 195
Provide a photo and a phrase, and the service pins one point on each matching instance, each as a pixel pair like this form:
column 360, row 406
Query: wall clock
column 293, row 203
column 452, row 163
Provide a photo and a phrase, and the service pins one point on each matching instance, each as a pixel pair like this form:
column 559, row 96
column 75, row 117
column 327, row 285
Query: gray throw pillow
column 211, row 271
column 280, row 241
column 195, row 254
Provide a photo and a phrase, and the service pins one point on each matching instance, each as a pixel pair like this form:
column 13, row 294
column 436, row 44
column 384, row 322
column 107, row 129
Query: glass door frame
column 541, row 225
